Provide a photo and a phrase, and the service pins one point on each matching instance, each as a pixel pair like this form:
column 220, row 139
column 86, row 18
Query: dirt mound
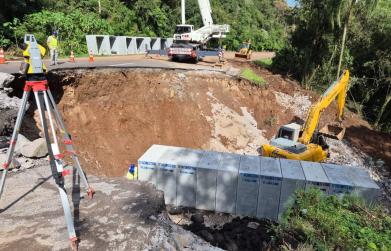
column 116, row 115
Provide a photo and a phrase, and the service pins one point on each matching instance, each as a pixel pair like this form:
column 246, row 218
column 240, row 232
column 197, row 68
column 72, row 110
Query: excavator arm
column 337, row 89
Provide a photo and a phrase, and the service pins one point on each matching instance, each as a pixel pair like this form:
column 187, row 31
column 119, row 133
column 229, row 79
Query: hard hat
column 54, row 33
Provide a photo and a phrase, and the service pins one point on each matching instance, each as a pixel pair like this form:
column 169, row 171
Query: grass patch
column 330, row 223
column 252, row 76
column 265, row 63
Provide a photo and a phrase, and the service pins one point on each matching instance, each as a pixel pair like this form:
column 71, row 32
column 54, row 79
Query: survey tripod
column 45, row 102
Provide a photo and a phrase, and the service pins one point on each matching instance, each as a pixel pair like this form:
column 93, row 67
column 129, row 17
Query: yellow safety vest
column 53, row 42
column 27, row 58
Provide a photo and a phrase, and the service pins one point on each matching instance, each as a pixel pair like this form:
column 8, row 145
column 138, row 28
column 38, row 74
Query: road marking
column 121, row 64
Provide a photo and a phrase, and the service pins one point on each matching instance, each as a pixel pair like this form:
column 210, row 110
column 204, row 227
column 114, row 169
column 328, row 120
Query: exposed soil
column 115, row 115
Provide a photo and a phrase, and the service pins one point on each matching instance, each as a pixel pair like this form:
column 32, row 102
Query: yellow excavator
column 294, row 142
column 244, row 50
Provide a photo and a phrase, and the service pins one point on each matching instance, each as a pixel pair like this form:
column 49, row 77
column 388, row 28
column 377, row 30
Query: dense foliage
column 313, row 51
column 260, row 21
column 330, row 223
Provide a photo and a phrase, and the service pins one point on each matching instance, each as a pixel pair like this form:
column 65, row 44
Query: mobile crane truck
column 310, row 144
column 192, row 44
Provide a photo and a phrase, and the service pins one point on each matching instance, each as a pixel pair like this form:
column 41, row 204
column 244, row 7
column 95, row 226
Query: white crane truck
column 192, row 44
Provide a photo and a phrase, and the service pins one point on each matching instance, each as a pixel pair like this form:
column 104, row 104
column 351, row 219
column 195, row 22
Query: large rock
column 5, row 81
column 20, row 143
column 9, row 108
column 35, row 149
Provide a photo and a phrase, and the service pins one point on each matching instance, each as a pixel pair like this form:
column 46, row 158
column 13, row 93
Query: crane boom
column 190, row 43
column 338, row 88
column 183, row 11
column 206, row 12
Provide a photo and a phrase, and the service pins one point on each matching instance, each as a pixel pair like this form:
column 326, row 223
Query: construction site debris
column 299, row 104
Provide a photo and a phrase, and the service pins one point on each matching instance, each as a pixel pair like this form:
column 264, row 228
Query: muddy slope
column 116, row 115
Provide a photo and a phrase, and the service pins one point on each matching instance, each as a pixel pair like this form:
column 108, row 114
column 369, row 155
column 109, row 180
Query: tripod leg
column 14, row 138
column 59, row 179
column 69, row 146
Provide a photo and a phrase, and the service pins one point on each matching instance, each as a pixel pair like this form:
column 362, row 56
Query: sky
column 291, row 2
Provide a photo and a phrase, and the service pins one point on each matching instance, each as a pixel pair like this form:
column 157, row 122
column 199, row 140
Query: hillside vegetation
column 260, row 21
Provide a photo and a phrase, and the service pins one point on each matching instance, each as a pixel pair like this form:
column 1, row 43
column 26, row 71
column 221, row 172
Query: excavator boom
column 338, row 88
column 289, row 145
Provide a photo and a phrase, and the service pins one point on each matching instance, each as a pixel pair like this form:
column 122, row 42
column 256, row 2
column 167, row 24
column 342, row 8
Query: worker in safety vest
column 33, row 67
column 53, row 45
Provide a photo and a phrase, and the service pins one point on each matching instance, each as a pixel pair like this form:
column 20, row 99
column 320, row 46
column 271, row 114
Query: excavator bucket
column 333, row 131
column 240, row 55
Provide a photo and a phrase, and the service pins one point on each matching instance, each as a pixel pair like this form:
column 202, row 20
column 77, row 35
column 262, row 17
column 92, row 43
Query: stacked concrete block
column 148, row 163
column 143, row 44
column 92, row 44
column 245, row 185
column 103, row 43
column 168, row 171
column 139, row 44
column 269, row 189
column 292, row 179
column 169, row 42
column 363, row 184
column 227, row 182
column 248, row 186
column 166, row 43
column 340, row 182
column 122, row 45
column 155, row 43
column 315, row 176
column 207, row 181
column 131, row 46
column 187, row 177
column 118, row 45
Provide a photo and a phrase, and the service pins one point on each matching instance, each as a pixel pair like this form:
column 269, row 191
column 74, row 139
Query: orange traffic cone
column 72, row 57
column 91, row 60
column 2, row 57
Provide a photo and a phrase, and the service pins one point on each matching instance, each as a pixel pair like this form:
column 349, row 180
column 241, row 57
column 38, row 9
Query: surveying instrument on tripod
column 36, row 81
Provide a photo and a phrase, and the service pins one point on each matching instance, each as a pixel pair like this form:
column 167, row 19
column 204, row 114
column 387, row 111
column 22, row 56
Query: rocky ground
column 124, row 215
column 217, row 112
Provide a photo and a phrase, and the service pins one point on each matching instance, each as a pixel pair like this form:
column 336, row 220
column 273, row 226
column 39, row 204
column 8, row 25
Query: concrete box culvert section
column 269, row 189
column 315, row 176
column 227, row 183
column 124, row 45
column 207, row 181
column 248, row 186
column 292, row 179
column 244, row 185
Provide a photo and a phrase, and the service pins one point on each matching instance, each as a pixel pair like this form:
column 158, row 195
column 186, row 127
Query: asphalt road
column 131, row 61
column 112, row 61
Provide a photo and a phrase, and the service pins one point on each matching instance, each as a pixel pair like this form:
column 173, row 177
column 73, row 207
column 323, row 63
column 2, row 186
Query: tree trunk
column 99, row 8
column 382, row 109
column 345, row 30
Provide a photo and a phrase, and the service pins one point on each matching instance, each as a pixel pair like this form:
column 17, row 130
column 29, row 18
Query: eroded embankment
column 115, row 115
